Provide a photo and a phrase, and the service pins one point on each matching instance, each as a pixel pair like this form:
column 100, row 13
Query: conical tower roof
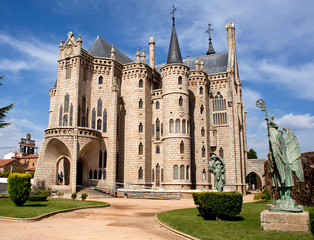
column 174, row 54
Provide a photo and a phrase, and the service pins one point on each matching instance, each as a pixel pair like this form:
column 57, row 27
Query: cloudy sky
column 274, row 45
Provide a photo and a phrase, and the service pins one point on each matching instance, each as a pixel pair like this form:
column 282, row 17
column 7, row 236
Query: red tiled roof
column 30, row 169
column 4, row 162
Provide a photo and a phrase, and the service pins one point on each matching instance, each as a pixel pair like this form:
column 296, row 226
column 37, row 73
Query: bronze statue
column 219, row 169
column 284, row 157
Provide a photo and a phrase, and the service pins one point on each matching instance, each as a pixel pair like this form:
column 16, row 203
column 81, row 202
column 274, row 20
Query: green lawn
column 35, row 209
column 247, row 226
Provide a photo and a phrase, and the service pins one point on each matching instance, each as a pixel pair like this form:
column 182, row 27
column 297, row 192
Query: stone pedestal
column 285, row 221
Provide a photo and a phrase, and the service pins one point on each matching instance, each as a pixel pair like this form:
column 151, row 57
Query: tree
column 4, row 111
column 251, row 154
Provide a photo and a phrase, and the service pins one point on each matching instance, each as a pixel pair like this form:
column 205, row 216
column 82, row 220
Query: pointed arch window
column 162, row 175
column 100, row 159
column 95, row 174
column 98, row 124
column 99, row 174
column 105, row 158
column 178, row 126
column 188, row 127
column 180, row 101
column 175, row 172
column 162, row 129
column 104, row 127
column 140, row 128
column 83, row 104
column 140, row 148
column 203, row 132
column 187, row 172
column 157, row 128
column 68, row 71
column 104, row 175
column 79, row 116
column 153, row 129
column 180, row 80
column 140, row 104
column 202, row 109
column 182, row 172
column 201, row 90
column 100, row 80
column 71, row 115
column 157, row 105
column 86, row 122
column 182, row 147
column 66, row 102
column 90, row 175
column 171, row 126
column 221, row 153
column 140, row 174
column 204, row 174
column 203, row 151
column 153, row 175
column 140, row 83
column 99, row 107
column 183, row 126
column 60, row 115
column 93, row 118
column 65, row 120
column 157, row 149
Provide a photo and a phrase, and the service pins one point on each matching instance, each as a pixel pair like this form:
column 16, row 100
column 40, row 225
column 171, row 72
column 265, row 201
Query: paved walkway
column 124, row 219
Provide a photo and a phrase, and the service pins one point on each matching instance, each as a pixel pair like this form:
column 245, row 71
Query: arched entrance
column 63, row 171
column 79, row 173
column 254, row 181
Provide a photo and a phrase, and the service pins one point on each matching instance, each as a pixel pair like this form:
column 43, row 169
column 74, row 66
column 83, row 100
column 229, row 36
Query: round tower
column 176, row 137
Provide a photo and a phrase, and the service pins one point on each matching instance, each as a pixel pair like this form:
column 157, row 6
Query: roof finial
column 174, row 9
column 210, row 44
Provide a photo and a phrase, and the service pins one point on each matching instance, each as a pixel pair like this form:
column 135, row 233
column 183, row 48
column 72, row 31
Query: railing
column 137, row 190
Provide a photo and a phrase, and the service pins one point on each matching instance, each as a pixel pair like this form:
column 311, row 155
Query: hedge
column 216, row 205
column 311, row 212
column 37, row 198
column 19, row 187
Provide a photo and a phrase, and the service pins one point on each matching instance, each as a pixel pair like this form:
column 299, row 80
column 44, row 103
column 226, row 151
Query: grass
column 35, row 209
column 246, row 226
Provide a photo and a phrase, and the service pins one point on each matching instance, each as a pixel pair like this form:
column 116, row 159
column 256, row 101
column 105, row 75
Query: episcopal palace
column 118, row 120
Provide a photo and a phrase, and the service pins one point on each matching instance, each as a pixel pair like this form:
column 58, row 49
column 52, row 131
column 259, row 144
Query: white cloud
column 296, row 122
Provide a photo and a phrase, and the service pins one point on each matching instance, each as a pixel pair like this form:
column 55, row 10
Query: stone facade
column 120, row 120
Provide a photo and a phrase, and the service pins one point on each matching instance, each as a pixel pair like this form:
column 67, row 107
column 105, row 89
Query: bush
column 60, row 194
column 215, row 205
column 73, row 196
column 19, row 187
column 311, row 212
column 45, row 192
column 84, row 196
column 37, row 198
column 263, row 196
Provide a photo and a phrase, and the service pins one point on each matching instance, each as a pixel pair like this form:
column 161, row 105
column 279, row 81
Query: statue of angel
column 219, row 169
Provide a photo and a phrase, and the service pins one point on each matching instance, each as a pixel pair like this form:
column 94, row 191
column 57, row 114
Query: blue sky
column 274, row 45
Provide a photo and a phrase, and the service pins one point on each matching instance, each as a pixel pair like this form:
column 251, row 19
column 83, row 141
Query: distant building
column 10, row 165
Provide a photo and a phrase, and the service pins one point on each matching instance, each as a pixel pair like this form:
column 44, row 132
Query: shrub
column 84, row 196
column 45, row 192
column 311, row 212
column 215, row 205
column 19, row 187
column 60, row 194
column 73, row 196
column 263, row 196
column 37, row 198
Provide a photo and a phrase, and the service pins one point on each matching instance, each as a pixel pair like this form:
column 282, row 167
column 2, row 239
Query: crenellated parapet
column 170, row 69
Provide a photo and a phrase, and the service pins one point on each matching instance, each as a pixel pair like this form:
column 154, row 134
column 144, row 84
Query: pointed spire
column 174, row 54
column 210, row 44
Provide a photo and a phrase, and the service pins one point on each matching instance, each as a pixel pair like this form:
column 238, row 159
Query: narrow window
column 66, row 103
column 182, row 172
column 68, row 71
column 201, row 90
column 99, row 107
column 188, row 127
column 204, row 175
column 153, row 175
column 179, row 80
column 83, row 121
column 183, row 126
column 203, row 132
column 104, row 127
column 140, row 104
column 162, row 129
column 86, row 122
column 140, row 128
column 180, row 101
column 98, row 124
column 104, row 175
column 99, row 174
column 60, row 116
column 71, row 115
column 157, row 149
column 100, row 80
column 202, row 109
column 79, row 116
column 187, row 172
column 90, row 175
column 157, row 128
column 83, row 104
column 105, row 159
column 157, row 105
column 175, row 172
column 171, row 126
column 182, row 147
column 100, row 159
column 221, row 153
column 93, row 118
column 140, row 83
column 178, row 126
column 153, row 130
column 65, row 120
column 140, row 149
column 203, row 151
column 140, row 174
column 162, row 175
column 95, row 174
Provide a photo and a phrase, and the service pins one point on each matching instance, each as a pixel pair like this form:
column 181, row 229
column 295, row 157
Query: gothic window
column 104, row 127
column 203, row 132
column 180, row 101
column 157, row 149
column 83, row 121
column 100, row 80
column 140, row 83
column 99, row 107
column 162, row 129
column 79, row 116
column 71, row 115
column 68, row 71
column 221, row 153
column 175, row 172
column 203, row 151
column 183, row 126
column 180, row 80
column 140, row 149
column 140, row 128
column 65, row 120
column 66, row 103
column 157, row 128
column 90, row 175
column 104, row 175
column 153, row 130
column 86, row 122
column 98, row 124
column 93, row 118
column 201, row 90
column 105, row 158
column 60, row 116
column 178, row 126
column 182, row 172
column 162, row 175
column 83, row 104
column 204, row 175
column 140, row 174
column 171, row 126
column 187, row 172
column 219, row 108
column 99, row 174
column 95, row 174
column 153, row 175
column 202, row 109
column 182, row 147
column 188, row 127
column 100, row 159
column 140, row 104
column 157, row 105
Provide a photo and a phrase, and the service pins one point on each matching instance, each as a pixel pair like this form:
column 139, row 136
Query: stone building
column 119, row 120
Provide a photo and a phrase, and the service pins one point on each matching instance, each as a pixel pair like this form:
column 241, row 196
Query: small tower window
column 175, row 172
column 187, row 172
column 99, row 107
column 140, row 174
column 180, row 80
column 201, row 90
column 60, row 116
column 93, row 118
column 204, row 175
column 140, row 128
column 178, row 126
column 171, row 126
column 157, row 149
column 221, row 153
column 65, row 120
column 153, row 130
column 98, row 124
column 183, row 126
column 153, row 175
column 71, row 115
column 100, row 80
column 162, row 175
column 140, row 83
column 182, row 147
column 202, row 109
column 157, row 105
column 157, row 128
column 180, row 101
column 104, row 127
column 162, row 129
column 140, row 104
column 203, row 151
column 182, row 172
column 140, row 149
column 203, row 132
column 66, row 103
